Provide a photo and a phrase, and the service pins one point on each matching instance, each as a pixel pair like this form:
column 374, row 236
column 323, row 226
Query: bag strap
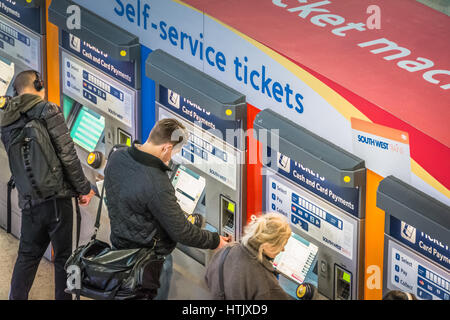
column 99, row 213
column 11, row 186
column 100, row 205
column 221, row 281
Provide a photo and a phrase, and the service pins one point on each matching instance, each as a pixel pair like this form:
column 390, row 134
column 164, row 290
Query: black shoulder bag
column 97, row 271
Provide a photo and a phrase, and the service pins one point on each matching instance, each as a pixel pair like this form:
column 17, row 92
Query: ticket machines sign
column 320, row 189
column 416, row 241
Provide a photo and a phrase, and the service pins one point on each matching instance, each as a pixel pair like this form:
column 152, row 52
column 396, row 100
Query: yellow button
column 91, row 158
column 301, row 290
column 29, row 1
column 191, row 219
column 2, row 102
column 347, row 179
column 229, row 112
column 123, row 53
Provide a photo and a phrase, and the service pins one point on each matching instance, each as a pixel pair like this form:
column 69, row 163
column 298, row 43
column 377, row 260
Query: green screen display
column 346, row 277
column 87, row 129
column 67, row 106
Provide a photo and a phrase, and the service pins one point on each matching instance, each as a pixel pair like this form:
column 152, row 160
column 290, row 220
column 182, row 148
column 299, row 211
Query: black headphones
column 38, row 84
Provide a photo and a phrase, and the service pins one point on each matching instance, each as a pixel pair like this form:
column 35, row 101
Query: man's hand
column 223, row 241
column 84, row 200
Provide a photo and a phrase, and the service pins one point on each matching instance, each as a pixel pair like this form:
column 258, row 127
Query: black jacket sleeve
column 171, row 217
column 65, row 148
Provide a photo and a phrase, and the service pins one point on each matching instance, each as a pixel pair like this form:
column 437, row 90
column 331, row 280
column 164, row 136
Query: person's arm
column 65, row 149
column 167, row 211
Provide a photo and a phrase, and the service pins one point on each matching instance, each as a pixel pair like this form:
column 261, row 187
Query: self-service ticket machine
column 23, row 43
column 320, row 188
column 209, row 172
column 100, row 91
column 416, row 241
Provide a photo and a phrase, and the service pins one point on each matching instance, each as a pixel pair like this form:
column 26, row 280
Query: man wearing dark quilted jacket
column 44, row 221
column 140, row 198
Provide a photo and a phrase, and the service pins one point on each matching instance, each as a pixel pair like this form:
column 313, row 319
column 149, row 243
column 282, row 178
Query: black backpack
column 35, row 167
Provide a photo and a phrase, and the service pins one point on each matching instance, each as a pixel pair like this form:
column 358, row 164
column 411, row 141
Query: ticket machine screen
column 87, row 129
column 297, row 260
column 189, row 188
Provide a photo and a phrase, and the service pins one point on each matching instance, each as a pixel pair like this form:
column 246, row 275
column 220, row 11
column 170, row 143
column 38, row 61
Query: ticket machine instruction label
column 92, row 87
column 411, row 273
column 420, row 242
column 345, row 198
column 20, row 44
column 29, row 17
column 307, row 214
column 123, row 71
column 208, row 153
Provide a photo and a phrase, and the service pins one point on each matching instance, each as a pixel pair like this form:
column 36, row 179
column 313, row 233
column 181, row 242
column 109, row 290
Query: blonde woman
column 248, row 273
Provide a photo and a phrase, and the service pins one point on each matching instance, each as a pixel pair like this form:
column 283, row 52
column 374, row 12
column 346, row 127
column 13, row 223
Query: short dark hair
column 24, row 80
column 163, row 132
column 399, row 295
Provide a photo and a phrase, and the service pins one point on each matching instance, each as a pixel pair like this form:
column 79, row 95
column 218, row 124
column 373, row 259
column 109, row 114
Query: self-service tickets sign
column 332, row 72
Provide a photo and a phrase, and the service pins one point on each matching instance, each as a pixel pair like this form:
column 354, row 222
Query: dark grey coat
column 140, row 198
column 245, row 278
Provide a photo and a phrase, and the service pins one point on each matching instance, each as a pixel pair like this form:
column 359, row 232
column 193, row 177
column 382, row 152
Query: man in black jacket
column 52, row 220
column 140, row 198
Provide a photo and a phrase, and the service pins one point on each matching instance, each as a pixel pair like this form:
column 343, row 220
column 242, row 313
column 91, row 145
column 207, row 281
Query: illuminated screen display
column 67, row 106
column 346, row 277
column 87, row 129
column 189, row 187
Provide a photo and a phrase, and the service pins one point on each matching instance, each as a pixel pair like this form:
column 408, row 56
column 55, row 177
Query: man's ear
column 167, row 147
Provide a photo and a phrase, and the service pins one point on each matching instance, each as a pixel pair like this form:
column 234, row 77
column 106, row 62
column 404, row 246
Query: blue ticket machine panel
column 214, row 116
column 319, row 188
column 100, row 85
column 22, row 44
column 416, row 242
column 100, row 94
column 22, row 35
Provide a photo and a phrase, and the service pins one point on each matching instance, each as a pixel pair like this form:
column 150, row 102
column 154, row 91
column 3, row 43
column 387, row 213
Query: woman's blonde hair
column 270, row 228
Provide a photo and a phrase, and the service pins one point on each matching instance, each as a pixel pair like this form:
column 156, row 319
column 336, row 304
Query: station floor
column 43, row 286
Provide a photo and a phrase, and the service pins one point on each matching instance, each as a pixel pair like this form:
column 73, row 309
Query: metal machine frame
column 12, row 223
column 339, row 168
column 428, row 221
column 225, row 104
column 114, row 45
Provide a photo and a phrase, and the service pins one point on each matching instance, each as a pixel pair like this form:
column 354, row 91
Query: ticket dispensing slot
column 342, row 283
column 320, row 188
column 100, row 88
column 416, row 241
column 23, row 47
column 209, row 175
column 228, row 219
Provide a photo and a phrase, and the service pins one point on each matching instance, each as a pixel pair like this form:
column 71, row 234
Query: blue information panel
column 420, row 242
column 28, row 17
column 345, row 198
column 329, row 226
column 123, row 71
column 224, row 129
column 410, row 272
column 22, row 45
